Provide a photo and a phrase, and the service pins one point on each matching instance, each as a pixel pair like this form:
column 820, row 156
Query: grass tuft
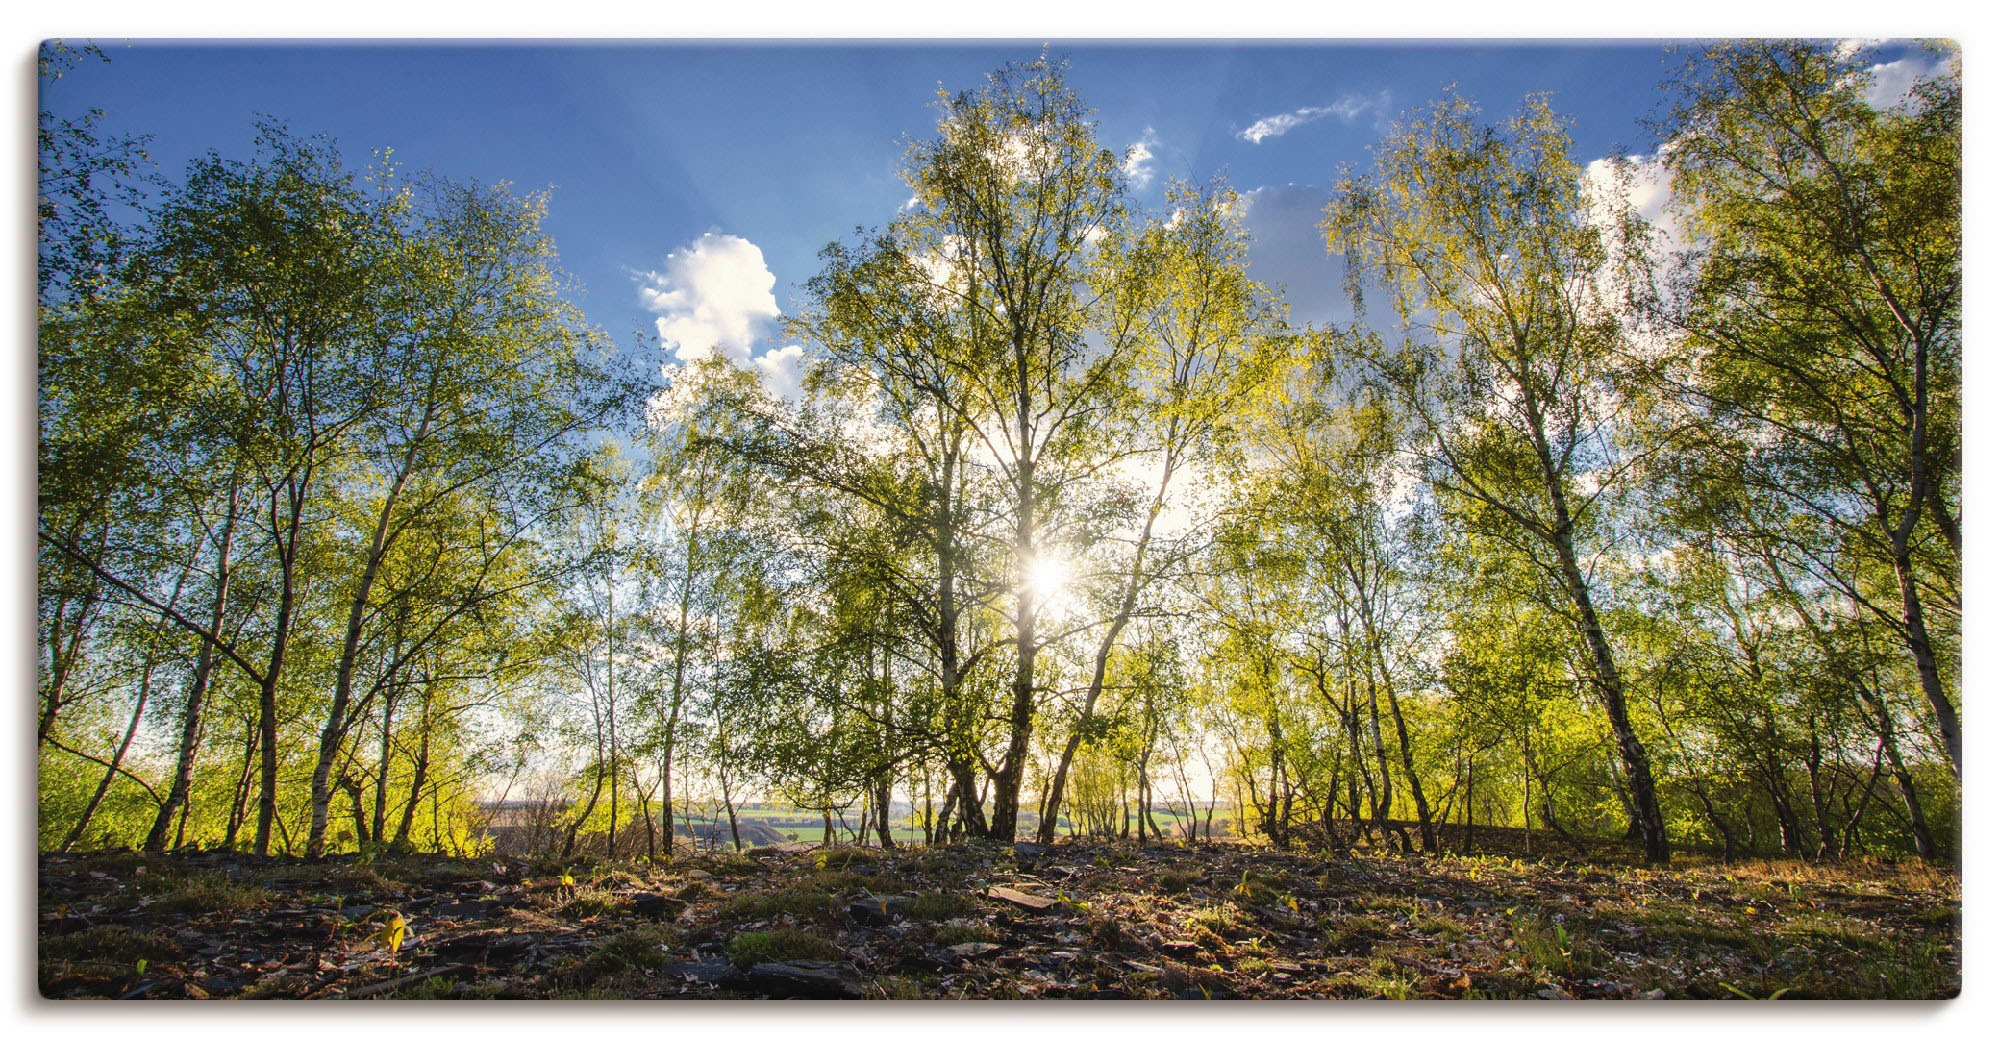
column 748, row 949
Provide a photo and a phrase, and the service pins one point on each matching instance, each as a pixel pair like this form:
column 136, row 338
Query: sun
column 1048, row 578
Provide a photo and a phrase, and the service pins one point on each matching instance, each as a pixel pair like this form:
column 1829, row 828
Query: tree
column 1507, row 371
column 1205, row 344
column 290, row 363
column 1009, row 196
column 1819, row 314
column 487, row 376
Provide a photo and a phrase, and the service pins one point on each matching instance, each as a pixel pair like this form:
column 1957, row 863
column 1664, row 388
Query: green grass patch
column 587, row 904
column 627, row 951
column 427, row 989
column 793, row 902
column 749, row 949
column 1440, row 926
column 1351, row 934
column 1551, row 946
column 110, row 944
column 205, row 892
column 843, row 857
column 1822, row 930
column 938, row 905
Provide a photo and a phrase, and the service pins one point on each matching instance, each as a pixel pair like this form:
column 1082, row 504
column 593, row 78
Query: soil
column 1074, row 920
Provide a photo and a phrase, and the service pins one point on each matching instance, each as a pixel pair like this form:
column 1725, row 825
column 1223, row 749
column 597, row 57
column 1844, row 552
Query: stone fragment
column 715, row 970
column 655, row 906
column 878, row 911
column 1020, row 899
column 801, row 979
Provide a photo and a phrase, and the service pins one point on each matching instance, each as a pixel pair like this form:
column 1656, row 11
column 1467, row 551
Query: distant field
column 807, row 825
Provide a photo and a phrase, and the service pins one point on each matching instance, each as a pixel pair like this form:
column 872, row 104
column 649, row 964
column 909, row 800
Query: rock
column 715, row 970
column 1027, row 851
column 656, row 906
column 878, row 911
column 971, row 950
column 1198, row 983
column 465, row 910
column 486, row 946
column 222, row 985
column 800, row 979
column 1020, row 899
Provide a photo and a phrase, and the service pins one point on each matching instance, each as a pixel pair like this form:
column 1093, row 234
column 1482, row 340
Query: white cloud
column 1852, row 46
column 1889, row 84
column 1348, row 109
column 1647, row 190
column 714, row 296
column 781, row 369
column 1139, row 158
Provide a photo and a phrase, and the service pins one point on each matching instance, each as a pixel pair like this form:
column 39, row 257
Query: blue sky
column 669, row 161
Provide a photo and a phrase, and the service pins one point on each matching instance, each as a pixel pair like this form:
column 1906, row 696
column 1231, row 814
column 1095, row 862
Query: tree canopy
column 353, row 533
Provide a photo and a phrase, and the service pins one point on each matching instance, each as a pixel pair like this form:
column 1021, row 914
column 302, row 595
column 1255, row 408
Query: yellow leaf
column 394, row 929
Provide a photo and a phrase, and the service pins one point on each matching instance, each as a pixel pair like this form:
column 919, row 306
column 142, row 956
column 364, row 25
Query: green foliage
column 1590, row 537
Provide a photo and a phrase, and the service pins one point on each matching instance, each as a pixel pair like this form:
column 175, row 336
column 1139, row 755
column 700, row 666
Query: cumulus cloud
column 1889, row 83
column 1643, row 184
column 1852, row 46
column 713, row 297
column 1139, row 158
column 782, row 368
column 1347, row 109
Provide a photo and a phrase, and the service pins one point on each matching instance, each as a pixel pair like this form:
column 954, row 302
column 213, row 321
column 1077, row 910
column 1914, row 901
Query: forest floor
column 1075, row 920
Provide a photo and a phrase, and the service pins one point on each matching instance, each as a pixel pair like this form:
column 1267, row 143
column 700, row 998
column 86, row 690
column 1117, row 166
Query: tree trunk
column 419, row 774
column 1611, row 689
column 281, row 635
column 124, row 745
column 379, row 818
column 1021, row 710
column 204, row 669
column 1917, row 635
column 239, row 806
